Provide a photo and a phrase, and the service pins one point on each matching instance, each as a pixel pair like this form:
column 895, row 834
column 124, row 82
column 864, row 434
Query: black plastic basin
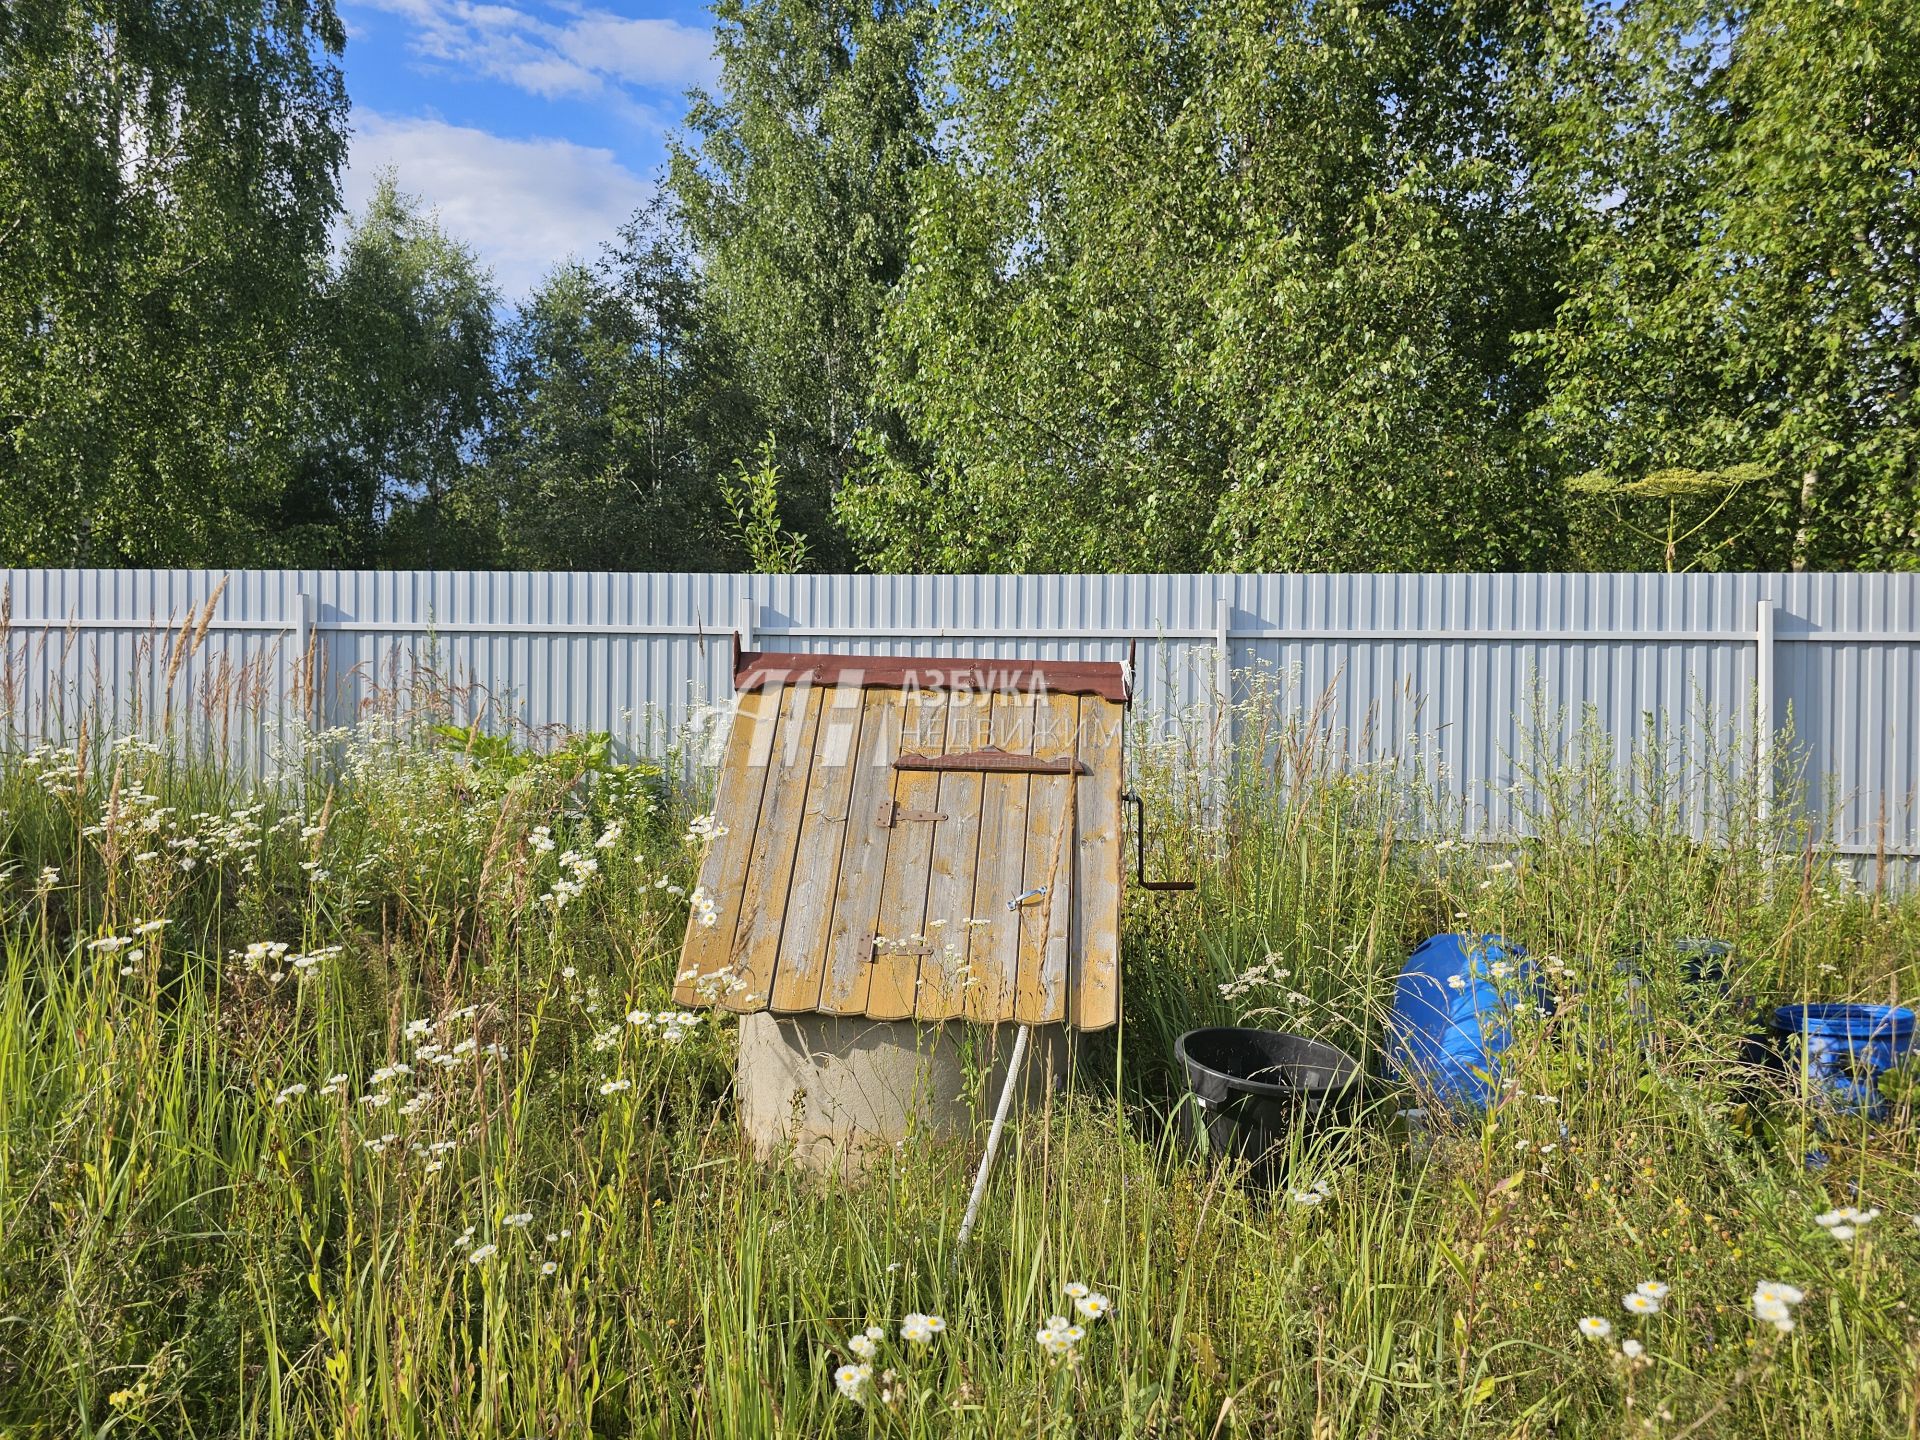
column 1252, row 1090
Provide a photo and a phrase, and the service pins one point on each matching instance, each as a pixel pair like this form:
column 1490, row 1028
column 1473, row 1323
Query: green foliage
column 583, row 752
column 1743, row 278
column 753, row 499
column 619, row 409
column 167, row 178
column 1695, row 508
column 1137, row 286
column 1181, row 298
column 401, row 387
column 794, row 185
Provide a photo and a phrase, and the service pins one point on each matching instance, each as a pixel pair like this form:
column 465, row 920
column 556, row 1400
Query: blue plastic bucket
column 1848, row 1047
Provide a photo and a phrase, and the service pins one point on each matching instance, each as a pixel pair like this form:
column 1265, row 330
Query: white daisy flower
column 1092, row 1307
column 852, row 1380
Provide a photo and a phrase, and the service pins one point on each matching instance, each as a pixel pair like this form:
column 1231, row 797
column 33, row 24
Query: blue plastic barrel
column 1452, row 1016
column 1848, row 1047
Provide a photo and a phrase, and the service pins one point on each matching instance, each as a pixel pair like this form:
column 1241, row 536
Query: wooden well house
column 906, row 839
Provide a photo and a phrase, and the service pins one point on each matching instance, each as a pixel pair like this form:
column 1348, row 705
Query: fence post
column 1763, row 710
column 1223, row 701
column 749, row 620
column 305, row 665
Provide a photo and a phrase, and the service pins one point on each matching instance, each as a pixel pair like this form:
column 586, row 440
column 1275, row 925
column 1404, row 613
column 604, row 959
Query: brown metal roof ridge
column 753, row 669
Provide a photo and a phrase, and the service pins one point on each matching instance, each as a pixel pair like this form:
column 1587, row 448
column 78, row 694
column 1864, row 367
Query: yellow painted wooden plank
column 956, row 844
column 903, row 892
column 863, row 858
column 763, row 903
column 801, row 965
column 994, row 950
column 1040, row 986
column 706, row 951
column 1099, row 853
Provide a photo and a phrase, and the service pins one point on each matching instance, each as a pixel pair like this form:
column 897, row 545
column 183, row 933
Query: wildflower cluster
column 1773, row 1304
column 669, row 1026
column 276, row 960
column 1845, row 1222
column 1312, row 1195
column 1267, row 974
column 576, row 871
column 1647, row 1298
column 128, row 949
column 1059, row 1335
column 855, row 1378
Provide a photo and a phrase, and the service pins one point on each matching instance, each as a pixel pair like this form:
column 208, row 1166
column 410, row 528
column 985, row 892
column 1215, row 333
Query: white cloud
column 640, row 52
column 524, row 205
column 591, row 53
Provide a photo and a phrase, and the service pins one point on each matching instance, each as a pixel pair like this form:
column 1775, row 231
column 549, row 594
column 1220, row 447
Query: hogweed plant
column 359, row 1105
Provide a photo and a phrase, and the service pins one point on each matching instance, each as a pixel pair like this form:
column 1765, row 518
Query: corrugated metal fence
column 1445, row 667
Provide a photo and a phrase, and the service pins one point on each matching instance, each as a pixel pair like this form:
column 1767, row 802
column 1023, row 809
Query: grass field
column 353, row 1110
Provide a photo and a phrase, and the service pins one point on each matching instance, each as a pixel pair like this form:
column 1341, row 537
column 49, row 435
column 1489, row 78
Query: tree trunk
column 1809, row 479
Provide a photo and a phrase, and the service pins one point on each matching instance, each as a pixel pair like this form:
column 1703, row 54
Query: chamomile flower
column 852, row 1381
column 1773, row 1304
column 1639, row 1304
column 1092, row 1307
column 1074, row 1290
column 480, row 1254
column 1653, row 1289
column 1845, row 1222
column 1632, row 1348
column 1595, row 1328
column 918, row 1329
column 864, row 1346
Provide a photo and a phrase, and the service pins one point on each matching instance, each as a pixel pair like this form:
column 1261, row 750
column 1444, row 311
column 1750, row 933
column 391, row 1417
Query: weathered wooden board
column 994, row 952
column 956, row 847
column 1099, row 850
column 801, row 965
column 863, row 858
column 736, row 807
column 1040, row 995
column 900, row 922
column 776, row 844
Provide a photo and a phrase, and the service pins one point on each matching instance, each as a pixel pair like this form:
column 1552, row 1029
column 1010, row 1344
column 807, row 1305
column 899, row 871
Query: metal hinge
column 894, row 947
column 892, row 813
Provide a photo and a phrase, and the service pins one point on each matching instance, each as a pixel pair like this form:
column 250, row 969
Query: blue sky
column 534, row 129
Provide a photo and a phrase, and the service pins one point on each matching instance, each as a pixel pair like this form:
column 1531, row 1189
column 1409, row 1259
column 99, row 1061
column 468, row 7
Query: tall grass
column 563, row 1234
